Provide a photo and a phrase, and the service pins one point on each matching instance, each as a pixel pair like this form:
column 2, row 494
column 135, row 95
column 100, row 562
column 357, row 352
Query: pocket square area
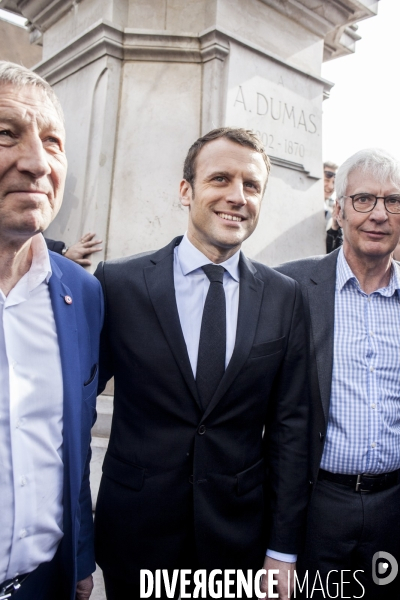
column 268, row 348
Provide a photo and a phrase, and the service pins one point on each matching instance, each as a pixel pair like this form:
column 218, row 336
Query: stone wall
column 141, row 80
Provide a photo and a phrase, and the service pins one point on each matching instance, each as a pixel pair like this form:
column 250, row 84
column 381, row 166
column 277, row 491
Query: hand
column 79, row 251
column 282, row 577
column 84, row 588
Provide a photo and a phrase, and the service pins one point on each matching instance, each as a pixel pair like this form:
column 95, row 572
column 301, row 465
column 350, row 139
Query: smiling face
column 32, row 161
column 372, row 235
column 225, row 201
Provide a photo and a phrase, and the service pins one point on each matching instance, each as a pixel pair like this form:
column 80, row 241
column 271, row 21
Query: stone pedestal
column 140, row 80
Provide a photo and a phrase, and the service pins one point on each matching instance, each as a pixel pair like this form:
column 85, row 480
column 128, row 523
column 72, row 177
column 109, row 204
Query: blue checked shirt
column 363, row 434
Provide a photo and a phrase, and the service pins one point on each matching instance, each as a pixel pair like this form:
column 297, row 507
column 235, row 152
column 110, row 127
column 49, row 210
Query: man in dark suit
column 206, row 465
column 353, row 300
column 51, row 314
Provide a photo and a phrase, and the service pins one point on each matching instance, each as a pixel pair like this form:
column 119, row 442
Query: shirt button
column 22, row 481
column 373, row 405
column 371, row 369
column 17, row 424
column 373, row 445
column 372, row 333
column 22, row 533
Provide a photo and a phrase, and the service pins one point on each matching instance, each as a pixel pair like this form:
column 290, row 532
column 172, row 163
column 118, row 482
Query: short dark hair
column 241, row 136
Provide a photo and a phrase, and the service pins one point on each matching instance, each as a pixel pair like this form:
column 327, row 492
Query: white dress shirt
column 31, row 420
column 191, row 287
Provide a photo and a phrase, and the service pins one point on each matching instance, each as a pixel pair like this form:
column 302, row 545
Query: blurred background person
column 334, row 237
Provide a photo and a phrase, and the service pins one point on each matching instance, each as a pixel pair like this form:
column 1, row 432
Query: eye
column 254, row 187
column 5, row 133
column 52, row 140
column 219, row 178
column 393, row 200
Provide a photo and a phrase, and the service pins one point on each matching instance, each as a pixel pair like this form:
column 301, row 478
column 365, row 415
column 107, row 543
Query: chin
column 229, row 242
column 377, row 252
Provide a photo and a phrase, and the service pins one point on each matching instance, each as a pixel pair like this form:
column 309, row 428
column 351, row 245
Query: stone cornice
column 102, row 39
column 330, row 19
column 105, row 39
column 288, row 164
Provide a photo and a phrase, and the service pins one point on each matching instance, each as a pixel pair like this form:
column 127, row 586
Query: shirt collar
column 40, row 268
column 190, row 259
column 345, row 274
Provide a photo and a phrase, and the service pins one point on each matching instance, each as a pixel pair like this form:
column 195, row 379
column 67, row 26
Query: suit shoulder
column 272, row 275
column 300, row 269
column 135, row 260
column 118, row 269
column 72, row 273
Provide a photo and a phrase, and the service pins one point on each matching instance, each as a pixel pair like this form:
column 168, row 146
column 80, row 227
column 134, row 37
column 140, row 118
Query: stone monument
column 140, row 80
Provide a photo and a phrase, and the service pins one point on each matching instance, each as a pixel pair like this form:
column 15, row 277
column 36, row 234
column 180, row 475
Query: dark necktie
column 212, row 345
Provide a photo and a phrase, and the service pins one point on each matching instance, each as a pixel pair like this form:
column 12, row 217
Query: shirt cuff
column 289, row 558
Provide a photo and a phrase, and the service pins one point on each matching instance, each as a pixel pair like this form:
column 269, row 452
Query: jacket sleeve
column 85, row 558
column 85, row 553
column 287, row 439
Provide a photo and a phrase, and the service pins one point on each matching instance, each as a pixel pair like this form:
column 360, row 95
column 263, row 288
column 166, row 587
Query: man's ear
column 185, row 192
column 337, row 213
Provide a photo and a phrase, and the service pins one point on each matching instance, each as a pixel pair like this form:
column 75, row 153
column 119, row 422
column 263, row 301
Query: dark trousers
column 44, row 583
column 345, row 529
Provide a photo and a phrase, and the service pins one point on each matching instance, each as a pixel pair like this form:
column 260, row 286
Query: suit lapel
column 250, row 297
column 160, row 285
column 321, row 294
column 67, row 332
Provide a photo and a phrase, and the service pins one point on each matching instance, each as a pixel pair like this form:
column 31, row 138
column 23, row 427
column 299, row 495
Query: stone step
column 99, row 447
column 104, row 407
column 100, row 436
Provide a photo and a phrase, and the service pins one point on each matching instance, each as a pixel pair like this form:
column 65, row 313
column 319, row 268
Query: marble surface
column 140, row 80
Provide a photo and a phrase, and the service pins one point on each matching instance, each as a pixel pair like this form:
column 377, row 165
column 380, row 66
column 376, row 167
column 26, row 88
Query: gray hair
column 11, row 73
column 372, row 161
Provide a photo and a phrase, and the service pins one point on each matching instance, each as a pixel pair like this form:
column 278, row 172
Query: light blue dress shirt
column 191, row 287
column 363, row 434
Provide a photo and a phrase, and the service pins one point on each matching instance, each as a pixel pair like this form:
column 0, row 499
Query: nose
column 235, row 193
column 379, row 212
column 33, row 158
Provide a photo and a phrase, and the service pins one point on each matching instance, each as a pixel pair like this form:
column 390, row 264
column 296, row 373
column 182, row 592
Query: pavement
column 98, row 591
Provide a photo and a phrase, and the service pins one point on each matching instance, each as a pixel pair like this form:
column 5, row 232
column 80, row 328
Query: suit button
column 191, row 479
column 202, row 429
column 321, row 436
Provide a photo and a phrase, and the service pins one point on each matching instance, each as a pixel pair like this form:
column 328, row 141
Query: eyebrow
column 228, row 174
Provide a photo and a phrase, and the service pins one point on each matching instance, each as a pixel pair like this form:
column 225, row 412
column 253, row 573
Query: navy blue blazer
column 77, row 302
